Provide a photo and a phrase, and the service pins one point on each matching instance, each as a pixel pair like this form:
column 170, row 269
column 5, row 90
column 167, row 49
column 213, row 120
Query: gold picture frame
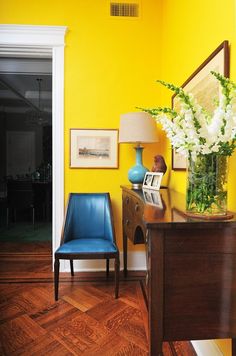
column 200, row 83
column 93, row 148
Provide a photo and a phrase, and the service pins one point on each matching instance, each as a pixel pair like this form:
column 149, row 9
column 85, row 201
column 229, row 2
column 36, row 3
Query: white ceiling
column 19, row 88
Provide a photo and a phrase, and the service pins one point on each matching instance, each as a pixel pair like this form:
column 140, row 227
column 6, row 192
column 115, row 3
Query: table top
column 166, row 209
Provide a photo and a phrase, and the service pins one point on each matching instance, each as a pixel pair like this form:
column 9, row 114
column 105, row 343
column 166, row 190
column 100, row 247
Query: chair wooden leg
column 56, row 277
column 107, row 267
column 117, row 274
column 72, row 268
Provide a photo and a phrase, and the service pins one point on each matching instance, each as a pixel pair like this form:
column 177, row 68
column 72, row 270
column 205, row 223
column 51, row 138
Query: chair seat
column 93, row 245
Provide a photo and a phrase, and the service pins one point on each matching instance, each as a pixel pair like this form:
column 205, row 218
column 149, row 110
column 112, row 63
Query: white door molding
column 45, row 41
column 32, row 36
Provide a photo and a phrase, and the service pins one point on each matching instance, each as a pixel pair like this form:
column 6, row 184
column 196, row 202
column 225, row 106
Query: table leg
column 155, row 292
column 233, row 347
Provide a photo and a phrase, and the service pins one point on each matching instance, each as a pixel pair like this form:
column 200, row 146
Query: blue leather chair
column 88, row 233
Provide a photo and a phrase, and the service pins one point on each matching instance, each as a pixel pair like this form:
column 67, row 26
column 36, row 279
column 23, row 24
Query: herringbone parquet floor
column 86, row 320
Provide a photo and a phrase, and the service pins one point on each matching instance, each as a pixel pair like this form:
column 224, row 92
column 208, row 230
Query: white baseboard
column 136, row 262
column 206, row 348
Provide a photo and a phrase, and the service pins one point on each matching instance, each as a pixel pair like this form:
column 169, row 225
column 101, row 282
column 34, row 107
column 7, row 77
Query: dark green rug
column 22, row 232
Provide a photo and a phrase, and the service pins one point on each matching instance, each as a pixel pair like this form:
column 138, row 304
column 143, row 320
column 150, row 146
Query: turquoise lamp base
column 137, row 173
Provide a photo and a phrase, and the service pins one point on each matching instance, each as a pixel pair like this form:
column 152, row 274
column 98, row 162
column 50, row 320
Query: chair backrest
column 19, row 194
column 88, row 215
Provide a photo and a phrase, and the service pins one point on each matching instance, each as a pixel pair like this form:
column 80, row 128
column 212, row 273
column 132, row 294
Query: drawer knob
column 136, row 208
column 127, row 222
column 146, row 240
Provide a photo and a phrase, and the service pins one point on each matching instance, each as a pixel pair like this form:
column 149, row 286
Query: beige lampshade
column 137, row 127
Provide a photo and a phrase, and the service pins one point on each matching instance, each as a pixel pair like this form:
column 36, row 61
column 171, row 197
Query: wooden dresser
column 191, row 268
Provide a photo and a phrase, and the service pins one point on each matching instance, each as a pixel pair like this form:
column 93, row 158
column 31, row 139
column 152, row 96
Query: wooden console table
column 191, row 268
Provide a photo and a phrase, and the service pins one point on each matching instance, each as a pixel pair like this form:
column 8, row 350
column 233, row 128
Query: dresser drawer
column 128, row 207
column 201, row 241
column 138, row 210
column 132, row 218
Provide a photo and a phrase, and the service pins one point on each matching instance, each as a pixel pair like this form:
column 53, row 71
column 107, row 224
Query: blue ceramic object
column 137, row 173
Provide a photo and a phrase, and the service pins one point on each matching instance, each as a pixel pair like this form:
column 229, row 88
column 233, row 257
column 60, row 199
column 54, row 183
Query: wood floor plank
column 45, row 345
column 85, row 298
column 56, row 314
column 9, row 311
column 23, row 248
column 115, row 345
column 142, row 308
column 35, row 299
column 80, row 333
column 106, row 310
column 107, row 286
column 167, row 351
column 8, row 291
column 133, row 329
column 129, row 295
column 18, row 332
column 126, row 321
column 86, row 320
column 181, row 348
column 120, row 319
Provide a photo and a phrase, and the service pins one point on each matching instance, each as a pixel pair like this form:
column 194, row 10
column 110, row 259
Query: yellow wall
column 111, row 65
column 191, row 30
column 110, row 68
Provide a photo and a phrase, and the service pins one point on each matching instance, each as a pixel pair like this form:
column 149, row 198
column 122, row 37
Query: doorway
column 41, row 41
column 20, row 150
column 26, row 154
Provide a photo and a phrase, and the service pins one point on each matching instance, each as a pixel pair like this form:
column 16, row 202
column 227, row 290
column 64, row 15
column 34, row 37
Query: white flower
column 193, row 130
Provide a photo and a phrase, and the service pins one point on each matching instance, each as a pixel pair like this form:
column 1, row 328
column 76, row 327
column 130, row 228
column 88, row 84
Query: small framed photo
column 93, row 148
column 152, row 180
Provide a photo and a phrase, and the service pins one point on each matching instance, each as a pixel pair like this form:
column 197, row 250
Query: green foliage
column 181, row 94
column 207, row 177
column 226, row 84
column 156, row 111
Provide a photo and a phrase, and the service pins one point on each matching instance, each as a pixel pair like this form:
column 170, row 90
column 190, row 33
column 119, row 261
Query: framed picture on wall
column 200, row 83
column 93, row 148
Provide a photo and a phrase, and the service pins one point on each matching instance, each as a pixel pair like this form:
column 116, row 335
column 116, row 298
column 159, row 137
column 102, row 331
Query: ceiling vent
column 124, row 9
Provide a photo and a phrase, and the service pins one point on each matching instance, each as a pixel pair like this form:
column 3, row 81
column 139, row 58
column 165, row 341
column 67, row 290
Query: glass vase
column 207, row 185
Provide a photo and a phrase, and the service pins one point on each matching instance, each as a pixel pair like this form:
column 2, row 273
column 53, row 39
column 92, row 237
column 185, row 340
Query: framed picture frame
column 200, row 83
column 93, row 148
column 153, row 197
column 152, row 180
